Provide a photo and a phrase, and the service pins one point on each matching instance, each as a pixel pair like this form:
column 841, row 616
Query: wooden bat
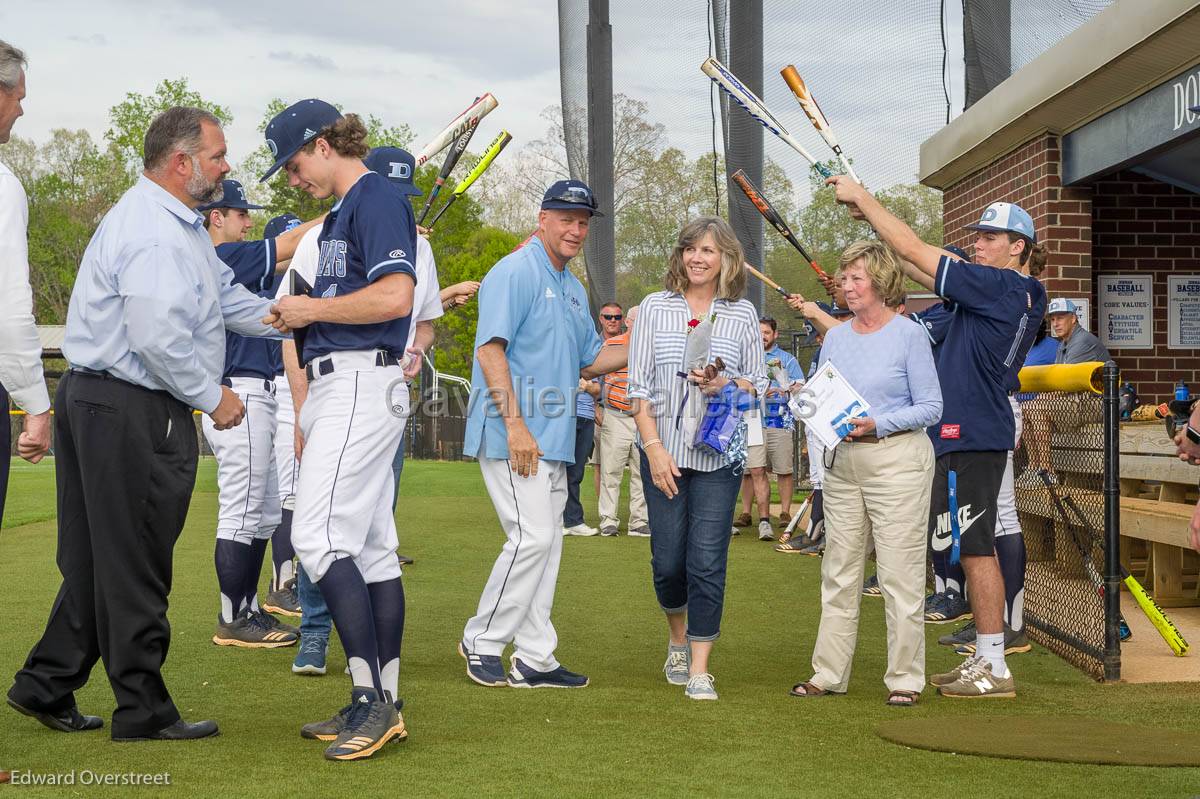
column 452, row 157
column 489, row 155
column 774, row 218
column 460, row 125
column 815, row 115
column 756, row 108
column 766, row 280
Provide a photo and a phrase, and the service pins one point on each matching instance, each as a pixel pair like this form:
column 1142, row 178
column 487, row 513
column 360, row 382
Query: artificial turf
column 627, row 734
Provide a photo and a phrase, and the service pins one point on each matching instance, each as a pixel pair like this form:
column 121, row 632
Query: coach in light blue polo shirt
column 534, row 341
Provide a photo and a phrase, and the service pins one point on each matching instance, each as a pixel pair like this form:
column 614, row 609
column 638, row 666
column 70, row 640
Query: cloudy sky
column 878, row 79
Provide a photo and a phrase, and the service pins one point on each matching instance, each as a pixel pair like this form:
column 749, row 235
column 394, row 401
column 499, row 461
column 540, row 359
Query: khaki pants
column 884, row 487
column 618, row 449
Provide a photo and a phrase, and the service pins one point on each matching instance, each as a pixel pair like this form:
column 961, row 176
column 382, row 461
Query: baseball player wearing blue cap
column 354, row 330
column 246, row 472
column 997, row 306
column 535, row 332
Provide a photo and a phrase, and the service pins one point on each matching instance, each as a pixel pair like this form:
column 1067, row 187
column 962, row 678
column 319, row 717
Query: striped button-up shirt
column 656, row 356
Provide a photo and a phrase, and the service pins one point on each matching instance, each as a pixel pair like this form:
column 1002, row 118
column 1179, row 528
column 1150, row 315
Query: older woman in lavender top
column 878, row 479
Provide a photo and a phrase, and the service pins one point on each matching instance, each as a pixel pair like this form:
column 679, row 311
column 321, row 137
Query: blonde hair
column 882, row 265
column 731, row 282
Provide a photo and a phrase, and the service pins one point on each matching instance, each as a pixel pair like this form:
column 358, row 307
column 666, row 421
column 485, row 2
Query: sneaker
column 743, row 521
column 676, row 667
column 946, row 608
column 311, row 657
column 580, row 529
column 329, row 729
column 640, row 532
column 954, row 673
column 371, row 723
column 1015, row 642
column 483, row 669
column 765, row 533
column 522, row 676
column 272, row 623
column 734, row 532
column 814, row 550
column 793, row 545
column 405, row 560
column 871, row 586
column 963, row 635
column 784, row 520
column 700, row 686
column 284, row 601
column 977, row 682
column 248, row 632
column 608, row 532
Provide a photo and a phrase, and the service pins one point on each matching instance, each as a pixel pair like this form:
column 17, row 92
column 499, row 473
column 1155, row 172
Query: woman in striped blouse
column 691, row 491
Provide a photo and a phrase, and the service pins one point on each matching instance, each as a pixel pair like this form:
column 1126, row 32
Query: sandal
column 806, row 689
column 903, row 698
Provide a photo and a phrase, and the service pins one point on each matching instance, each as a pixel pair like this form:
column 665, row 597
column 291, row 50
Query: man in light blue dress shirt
column 145, row 340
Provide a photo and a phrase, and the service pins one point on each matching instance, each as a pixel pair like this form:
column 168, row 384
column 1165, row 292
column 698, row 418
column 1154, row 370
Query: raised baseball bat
column 452, row 157
column 774, row 218
column 460, row 125
column 756, row 108
column 489, row 155
column 813, row 111
column 766, row 280
column 1166, row 628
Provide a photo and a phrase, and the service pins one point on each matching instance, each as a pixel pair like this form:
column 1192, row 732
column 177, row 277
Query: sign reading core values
column 1183, row 312
column 1125, row 314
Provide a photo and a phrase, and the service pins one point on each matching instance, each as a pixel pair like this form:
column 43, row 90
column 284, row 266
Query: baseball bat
column 774, row 218
column 489, row 155
column 766, row 279
column 460, row 125
column 813, row 111
column 756, row 108
column 452, row 157
column 1166, row 628
column 795, row 519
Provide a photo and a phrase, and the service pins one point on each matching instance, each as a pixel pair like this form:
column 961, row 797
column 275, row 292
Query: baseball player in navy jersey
column 534, row 332
column 353, row 333
column 997, row 305
column 246, row 474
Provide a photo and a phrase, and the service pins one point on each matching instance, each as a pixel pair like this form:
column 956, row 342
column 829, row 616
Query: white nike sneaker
column 581, row 529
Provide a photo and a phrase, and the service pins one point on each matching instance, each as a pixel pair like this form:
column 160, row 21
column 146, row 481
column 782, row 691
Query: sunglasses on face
column 612, row 317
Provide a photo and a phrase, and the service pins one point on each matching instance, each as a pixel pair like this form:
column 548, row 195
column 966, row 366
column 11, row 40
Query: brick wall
column 1144, row 226
column 1029, row 177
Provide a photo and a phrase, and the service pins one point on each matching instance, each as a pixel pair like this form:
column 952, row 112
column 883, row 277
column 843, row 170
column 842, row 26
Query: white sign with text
column 1183, row 312
column 1126, row 311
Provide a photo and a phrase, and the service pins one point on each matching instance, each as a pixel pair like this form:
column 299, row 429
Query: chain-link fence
column 1062, row 466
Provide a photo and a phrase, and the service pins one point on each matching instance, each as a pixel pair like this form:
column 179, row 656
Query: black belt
column 322, row 367
column 83, row 370
column 871, row 438
column 268, row 385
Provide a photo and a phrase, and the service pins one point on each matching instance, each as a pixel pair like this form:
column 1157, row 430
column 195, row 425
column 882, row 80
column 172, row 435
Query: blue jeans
column 585, row 432
column 315, row 621
column 689, row 545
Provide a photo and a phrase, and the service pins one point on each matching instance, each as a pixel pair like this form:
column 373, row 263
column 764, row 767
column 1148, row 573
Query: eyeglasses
column 612, row 317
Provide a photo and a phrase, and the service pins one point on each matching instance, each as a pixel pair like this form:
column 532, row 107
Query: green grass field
column 628, row 734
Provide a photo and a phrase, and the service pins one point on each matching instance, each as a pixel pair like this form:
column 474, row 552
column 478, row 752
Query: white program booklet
column 827, row 403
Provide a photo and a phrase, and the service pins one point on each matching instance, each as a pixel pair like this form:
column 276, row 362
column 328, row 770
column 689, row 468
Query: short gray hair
column 12, row 61
column 177, row 128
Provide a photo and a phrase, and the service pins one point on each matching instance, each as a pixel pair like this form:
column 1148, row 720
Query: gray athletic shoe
column 370, row 724
column 977, row 682
column 608, row 532
column 676, row 667
column 765, row 531
column 284, row 601
column 700, row 686
column 248, row 632
column 954, row 673
column 328, row 729
column 640, row 532
column 963, row 635
column 1015, row 642
column 272, row 623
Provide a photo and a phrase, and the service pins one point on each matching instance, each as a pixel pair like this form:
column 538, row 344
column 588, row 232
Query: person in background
column 778, row 424
column 618, row 446
column 585, row 431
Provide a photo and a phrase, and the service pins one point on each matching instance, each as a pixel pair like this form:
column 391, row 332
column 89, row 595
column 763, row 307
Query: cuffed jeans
column 689, row 545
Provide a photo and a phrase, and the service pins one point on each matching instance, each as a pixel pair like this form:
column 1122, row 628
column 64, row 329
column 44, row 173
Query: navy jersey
column 994, row 318
column 369, row 233
column 253, row 265
column 936, row 321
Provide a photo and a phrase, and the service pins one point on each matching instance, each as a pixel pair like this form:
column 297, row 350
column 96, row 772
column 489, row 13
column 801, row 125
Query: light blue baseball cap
column 1008, row 218
column 1061, row 305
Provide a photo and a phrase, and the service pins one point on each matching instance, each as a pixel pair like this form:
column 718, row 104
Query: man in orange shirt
column 618, row 446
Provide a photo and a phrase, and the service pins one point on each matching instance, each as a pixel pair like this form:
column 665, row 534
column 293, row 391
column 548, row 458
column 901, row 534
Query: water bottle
column 1182, row 394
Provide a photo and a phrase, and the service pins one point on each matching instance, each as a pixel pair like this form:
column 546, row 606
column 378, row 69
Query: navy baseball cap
column 397, row 165
column 281, row 224
column 1006, row 218
column 294, row 127
column 833, row 309
column 570, row 195
column 233, row 196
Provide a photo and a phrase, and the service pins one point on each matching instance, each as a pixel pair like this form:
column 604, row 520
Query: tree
column 130, row 119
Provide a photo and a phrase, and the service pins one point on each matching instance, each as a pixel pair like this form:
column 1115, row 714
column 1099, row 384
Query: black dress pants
column 126, row 464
